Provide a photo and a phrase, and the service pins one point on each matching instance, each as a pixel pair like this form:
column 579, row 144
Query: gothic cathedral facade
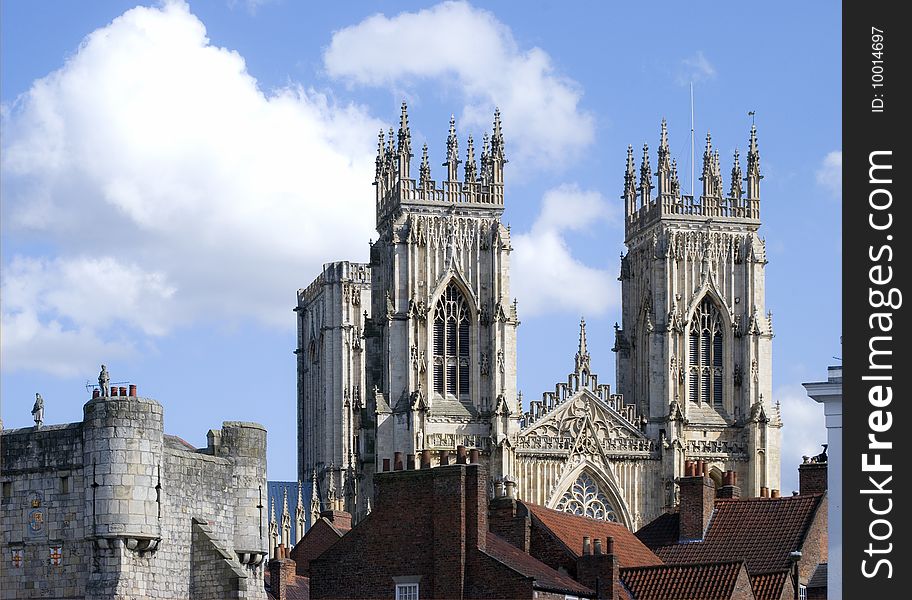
column 416, row 350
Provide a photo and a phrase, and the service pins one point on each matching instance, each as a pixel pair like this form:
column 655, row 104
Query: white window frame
column 404, row 591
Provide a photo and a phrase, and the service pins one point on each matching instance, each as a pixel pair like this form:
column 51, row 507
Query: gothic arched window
column 584, row 498
column 706, row 353
column 451, row 344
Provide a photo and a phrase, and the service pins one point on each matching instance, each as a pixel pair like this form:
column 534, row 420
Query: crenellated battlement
column 481, row 185
column 737, row 204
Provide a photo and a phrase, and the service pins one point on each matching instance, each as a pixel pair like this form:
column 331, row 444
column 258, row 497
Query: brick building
column 781, row 540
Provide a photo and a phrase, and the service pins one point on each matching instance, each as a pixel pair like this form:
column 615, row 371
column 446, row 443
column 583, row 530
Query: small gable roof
column 544, row 576
column 570, row 529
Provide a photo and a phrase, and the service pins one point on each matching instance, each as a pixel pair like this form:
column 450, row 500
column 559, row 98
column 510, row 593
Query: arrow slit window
column 451, row 344
column 706, row 347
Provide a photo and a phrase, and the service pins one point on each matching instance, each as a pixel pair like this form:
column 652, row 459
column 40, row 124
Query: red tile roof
column 768, row 586
column 545, row 577
column 715, row 581
column 760, row 531
column 570, row 529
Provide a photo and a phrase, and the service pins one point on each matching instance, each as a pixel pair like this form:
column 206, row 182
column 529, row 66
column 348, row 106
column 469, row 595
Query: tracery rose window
column 584, row 498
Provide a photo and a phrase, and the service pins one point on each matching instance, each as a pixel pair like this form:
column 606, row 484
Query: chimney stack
column 729, row 487
column 698, row 496
column 812, row 478
column 598, row 571
column 281, row 571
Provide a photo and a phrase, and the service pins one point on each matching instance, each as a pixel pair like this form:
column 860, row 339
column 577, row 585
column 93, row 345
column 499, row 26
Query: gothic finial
column 452, row 157
column 736, row 177
column 630, row 182
column 405, row 136
column 675, row 182
column 470, row 171
column 663, row 140
column 389, row 142
column 707, row 178
column 645, row 177
column 300, row 503
column 314, row 498
column 487, row 167
column 753, row 166
column 717, row 174
column 582, row 354
column 424, row 172
column 497, row 139
column 663, row 172
column 284, row 501
column 272, row 517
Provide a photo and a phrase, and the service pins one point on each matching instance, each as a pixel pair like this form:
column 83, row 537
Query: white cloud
column 185, row 190
column 803, row 431
column 468, row 51
column 543, row 255
column 695, row 69
column 829, row 175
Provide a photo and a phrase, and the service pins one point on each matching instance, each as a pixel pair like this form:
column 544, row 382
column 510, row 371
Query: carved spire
column 736, row 177
column 664, row 166
column 630, row 183
column 471, row 173
column 424, row 171
column 707, row 178
column 497, row 157
column 286, row 520
column 645, row 178
column 273, row 529
column 299, row 515
column 675, row 188
column 452, row 160
column 405, row 143
column 380, row 156
column 486, row 166
column 717, row 174
column 753, row 167
column 314, row 498
column 582, row 355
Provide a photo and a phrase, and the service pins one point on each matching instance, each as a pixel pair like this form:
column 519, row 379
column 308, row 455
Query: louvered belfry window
column 451, row 344
column 706, row 347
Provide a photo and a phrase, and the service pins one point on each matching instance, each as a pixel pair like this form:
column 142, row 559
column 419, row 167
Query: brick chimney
column 729, row 487
column 281, row 572
column 341, row 519
column 698, row 496
column 599, row 571
column 510, row 519
column 812, row 478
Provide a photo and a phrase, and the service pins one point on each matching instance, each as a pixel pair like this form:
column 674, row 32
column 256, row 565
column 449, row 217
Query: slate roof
column 818, row 577
column 545, row 577
column 768, row 586
column 760, row 531
column 714, row 581
column 570, row 529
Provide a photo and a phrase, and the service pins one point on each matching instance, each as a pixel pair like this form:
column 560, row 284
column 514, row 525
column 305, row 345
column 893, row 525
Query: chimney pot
column 397, row 461
column 597, row 546
column 96, row 393
column 460, row 455
column 386, row 465
column 425, row 459
column 774, row 494
column 113, row 391
column 474, row 456
column 510, row 486
column 123, row 391
column 132, row 390
column 410, row 462
column 586, row 546
column 764, row 492
column 609, row 543
column 444, row 458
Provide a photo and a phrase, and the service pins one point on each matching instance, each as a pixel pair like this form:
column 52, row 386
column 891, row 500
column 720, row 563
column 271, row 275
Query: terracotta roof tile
column 768, row 586
column 715, row 581
column 545, row 577
column 570, row 529
column 760, row 531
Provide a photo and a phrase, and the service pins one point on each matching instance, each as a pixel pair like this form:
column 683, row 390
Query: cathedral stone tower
column 694, row 348
column 442, row 336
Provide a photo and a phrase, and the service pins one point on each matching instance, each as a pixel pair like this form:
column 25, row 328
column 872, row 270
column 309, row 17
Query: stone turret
column 244, row 444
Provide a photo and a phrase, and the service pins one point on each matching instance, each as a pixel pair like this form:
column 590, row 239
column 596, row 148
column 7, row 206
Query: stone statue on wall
column 104, row 381
column 38, row 411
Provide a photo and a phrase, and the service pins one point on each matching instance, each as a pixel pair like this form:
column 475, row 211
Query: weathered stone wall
column 41, row 507
column 113, row 500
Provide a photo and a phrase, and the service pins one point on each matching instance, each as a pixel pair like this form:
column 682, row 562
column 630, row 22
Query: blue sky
column 173, row 173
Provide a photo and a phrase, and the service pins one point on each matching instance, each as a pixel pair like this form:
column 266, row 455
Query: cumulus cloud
column 695, row 69
column 803, row 431
column 468, row 51
column 829, row 175
column 543, row 254
column 185, row 191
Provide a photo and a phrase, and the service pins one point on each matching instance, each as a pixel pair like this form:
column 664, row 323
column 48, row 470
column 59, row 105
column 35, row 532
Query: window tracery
column 584, row 498
column 706, row 354
column 451, row 344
